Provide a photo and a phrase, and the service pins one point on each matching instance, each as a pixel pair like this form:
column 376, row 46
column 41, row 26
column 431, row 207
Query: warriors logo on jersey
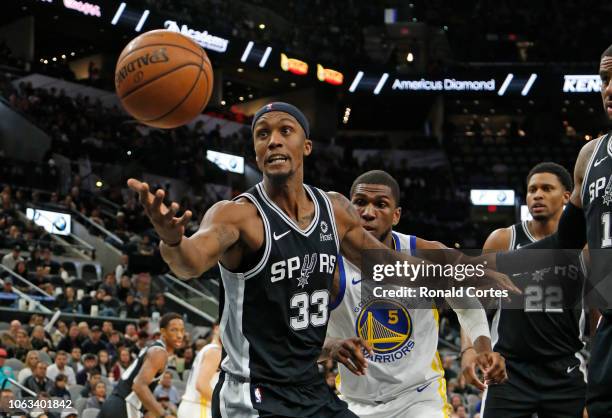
column 386, row 325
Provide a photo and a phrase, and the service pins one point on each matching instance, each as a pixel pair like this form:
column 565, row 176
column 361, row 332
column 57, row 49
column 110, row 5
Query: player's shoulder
column 499, row 238
column 587, row 149
column 233, row 209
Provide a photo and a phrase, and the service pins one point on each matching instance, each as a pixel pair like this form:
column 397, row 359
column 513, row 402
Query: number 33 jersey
column 275, row 314
column 403, row 335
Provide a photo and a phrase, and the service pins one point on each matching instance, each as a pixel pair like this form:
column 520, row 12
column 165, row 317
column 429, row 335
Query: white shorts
column 429, row 403
column 189, row 409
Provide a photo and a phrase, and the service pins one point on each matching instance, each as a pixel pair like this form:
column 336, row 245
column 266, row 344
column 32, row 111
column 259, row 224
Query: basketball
column 163, row 79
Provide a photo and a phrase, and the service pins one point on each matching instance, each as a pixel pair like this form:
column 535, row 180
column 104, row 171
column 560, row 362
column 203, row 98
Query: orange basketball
column 163, row 79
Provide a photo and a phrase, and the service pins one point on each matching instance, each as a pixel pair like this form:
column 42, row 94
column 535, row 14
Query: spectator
column 9, row 337
column 456, row 401
column 110, row 285
column 94, row 378
column 133, row 307
column 54, row 266
column 125, row 287
column 60, row 366
column 67, row 301
column 131, row 334
column 125, row 359
column 75, row 360
column 6, row 372
column 7, row 399
column 188, row 355
column 165, row 388
column 449, row 372
column 460, row 412
column 59, row 388
column 94, row 344
column 107, row 330
column 20, row 350
column 143, row 339
column 98, row 396
column 72, row 340
column 164, row 401
column 90, row 361
column 106, row 303
column 84, row 330
column 122, row 267
column 30, row 364
column 11, row 259
column 104, row 363
column 39, row 339
column 160, row 304
column 113, row 344
column 61, row 330
column 38, row 382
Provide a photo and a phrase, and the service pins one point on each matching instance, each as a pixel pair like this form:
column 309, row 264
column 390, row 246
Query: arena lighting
column 226, row 162
column 99, row 184
column 488, row 197
column 129, row 153
column 381, row 83
column 53, row 222
column 240, row 70
column 505, row 84
column 293, row 65
column 203, row 38
column 330, row 76
column 410, row 57
column 83, row 7
column 262, row 26
column 222, row 102
column 581, row 84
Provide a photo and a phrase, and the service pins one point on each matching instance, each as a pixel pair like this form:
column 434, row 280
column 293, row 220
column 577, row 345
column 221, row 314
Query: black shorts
column 553, row 389
column 235, row 398
column 113, row 407
column 599, row 392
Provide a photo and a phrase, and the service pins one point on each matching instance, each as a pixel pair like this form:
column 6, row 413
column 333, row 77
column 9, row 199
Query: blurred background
column 457, row 101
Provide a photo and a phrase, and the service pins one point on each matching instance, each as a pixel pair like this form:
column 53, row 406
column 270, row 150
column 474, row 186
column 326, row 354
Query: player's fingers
column 354, row 347
column 157, row 202
column 184, row 220
column 172, row 210
column 366, row 345
column 344, row 358
column 472, row 377
column 144, row 196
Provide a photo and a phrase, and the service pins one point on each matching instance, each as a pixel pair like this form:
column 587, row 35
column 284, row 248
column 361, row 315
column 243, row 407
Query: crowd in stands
column 76, row 362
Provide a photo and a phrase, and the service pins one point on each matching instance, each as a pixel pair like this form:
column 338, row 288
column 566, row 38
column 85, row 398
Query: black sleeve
column 570, row 235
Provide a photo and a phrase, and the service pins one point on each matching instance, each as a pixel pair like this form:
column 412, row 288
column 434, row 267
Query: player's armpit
column 155, row 361
column 219, row 230
column 580, row 170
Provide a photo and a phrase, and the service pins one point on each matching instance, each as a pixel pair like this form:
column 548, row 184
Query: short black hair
column 553, row 168
column 378, row 177
column 165, row 320
column 607, row 52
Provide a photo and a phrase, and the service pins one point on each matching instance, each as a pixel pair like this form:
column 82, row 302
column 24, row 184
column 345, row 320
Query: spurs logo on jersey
column 404, row 339
column 289, row 268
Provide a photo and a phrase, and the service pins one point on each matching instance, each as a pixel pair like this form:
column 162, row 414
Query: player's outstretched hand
column 350, row 353
column 169, row 228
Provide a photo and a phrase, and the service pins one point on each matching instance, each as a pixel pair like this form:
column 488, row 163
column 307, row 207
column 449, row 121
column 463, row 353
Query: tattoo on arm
column 225, row 236
column 346, row 205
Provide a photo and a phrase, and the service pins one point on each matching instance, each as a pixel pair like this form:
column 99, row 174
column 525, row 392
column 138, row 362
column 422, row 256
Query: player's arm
column 190, row 257
column 472, row 347
column 570, row 234
column 210, row 364
column 155, row 361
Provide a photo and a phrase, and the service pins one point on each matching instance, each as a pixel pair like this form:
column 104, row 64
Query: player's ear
column 566, row 197
column 397, row 214
column 307, row 147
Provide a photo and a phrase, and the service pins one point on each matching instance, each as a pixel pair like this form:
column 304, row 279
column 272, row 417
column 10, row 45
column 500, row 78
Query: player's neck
column 288, row 195
column 542, row 229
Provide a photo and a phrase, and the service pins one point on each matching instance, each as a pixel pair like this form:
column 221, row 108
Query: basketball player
column 405, row 377
column 587, row 218
column 202, row 380
column 135, row 388
column 547, row 373
column 276, row 246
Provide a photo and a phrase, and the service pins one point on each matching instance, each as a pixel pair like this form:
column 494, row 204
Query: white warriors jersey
column 191, row 393
column 404, row 338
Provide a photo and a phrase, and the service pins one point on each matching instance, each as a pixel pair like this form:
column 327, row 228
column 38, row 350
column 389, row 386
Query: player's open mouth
column 369, row 228
column 538, row 206
column 276, row 159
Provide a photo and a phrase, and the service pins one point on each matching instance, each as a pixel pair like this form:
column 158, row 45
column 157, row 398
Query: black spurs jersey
column 596, row 195
column 545, row 328
column 124, row 385
column 275, row 315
